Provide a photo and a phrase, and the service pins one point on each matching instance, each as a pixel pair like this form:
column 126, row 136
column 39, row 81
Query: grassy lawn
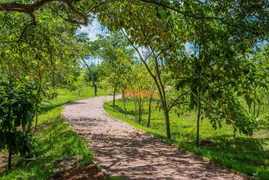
column 55, row 142
column 247, row 155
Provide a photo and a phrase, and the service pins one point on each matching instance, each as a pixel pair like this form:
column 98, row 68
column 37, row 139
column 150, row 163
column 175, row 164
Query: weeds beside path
column 126, row 151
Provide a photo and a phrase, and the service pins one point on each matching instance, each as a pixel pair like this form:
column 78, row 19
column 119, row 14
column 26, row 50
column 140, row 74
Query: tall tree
column 43, row 53
column 117, row 58
column 153, row 39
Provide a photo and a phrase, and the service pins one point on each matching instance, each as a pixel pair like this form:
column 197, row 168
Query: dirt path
column 125, row 151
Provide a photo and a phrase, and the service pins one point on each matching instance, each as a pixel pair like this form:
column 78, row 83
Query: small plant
column 17, row 107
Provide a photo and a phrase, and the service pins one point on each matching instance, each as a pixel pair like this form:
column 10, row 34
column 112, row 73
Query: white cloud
column 92, row 30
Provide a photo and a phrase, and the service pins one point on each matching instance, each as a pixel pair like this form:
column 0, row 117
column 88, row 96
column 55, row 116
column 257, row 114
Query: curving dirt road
column 126, row 151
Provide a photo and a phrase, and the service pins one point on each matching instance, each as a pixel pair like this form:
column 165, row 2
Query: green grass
column 244, row 154
column 55, row 142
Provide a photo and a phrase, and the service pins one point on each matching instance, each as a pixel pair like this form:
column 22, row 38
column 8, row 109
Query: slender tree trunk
column 93, row 83
column 124, row 103
column 165, row 111
column 114, row 95
column 167, row 122
column 9, row 139
column 149, row 111
column 158, row 81
column 198, row 120
column 139, row 109
column 136, row 114
column 162, row 93
column 95, row 89
column 92, row 78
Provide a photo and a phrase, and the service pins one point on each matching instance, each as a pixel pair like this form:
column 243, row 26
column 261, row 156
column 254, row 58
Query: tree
column 213, row 72
column 153, row 39
column 88, row 49
column 244, row 17
column 74, row 15
column 35, row 60
column 18, row 103
column 92, row 75
column 138, row 86
column 117, row 59
column 163, row 35
column 255, row 84
column 161, row 27
column 43, row 54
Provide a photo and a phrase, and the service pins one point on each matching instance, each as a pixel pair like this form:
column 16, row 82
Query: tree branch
column 187, row 14
column 26, row 8
column 79, row 13
column 175, row 102
column 31, row 8
column 146, row 65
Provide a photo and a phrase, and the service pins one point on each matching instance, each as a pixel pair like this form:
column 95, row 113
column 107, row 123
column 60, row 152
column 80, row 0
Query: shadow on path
column 125, row 151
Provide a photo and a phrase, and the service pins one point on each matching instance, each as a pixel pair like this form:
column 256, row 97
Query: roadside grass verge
column 55, row 142
column 243, row 154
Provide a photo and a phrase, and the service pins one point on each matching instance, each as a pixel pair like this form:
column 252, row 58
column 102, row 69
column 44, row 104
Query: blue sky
column 92, row 30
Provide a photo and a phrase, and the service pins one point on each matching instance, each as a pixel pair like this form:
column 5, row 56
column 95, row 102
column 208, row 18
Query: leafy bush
column 18, row 102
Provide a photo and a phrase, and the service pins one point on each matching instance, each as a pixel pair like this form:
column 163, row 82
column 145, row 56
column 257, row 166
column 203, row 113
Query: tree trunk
column 140, row 109
column 95, row 89
column 9, row 139
column 136, row 114
column 165, row 111
column 149, row 111
column 167, row 122
column 93, row 83
column 91, row 74
column 114, row 95
column 198, row 119
column 124, row 103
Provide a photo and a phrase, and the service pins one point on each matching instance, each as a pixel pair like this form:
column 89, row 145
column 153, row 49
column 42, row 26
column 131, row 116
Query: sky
column 93, row 30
